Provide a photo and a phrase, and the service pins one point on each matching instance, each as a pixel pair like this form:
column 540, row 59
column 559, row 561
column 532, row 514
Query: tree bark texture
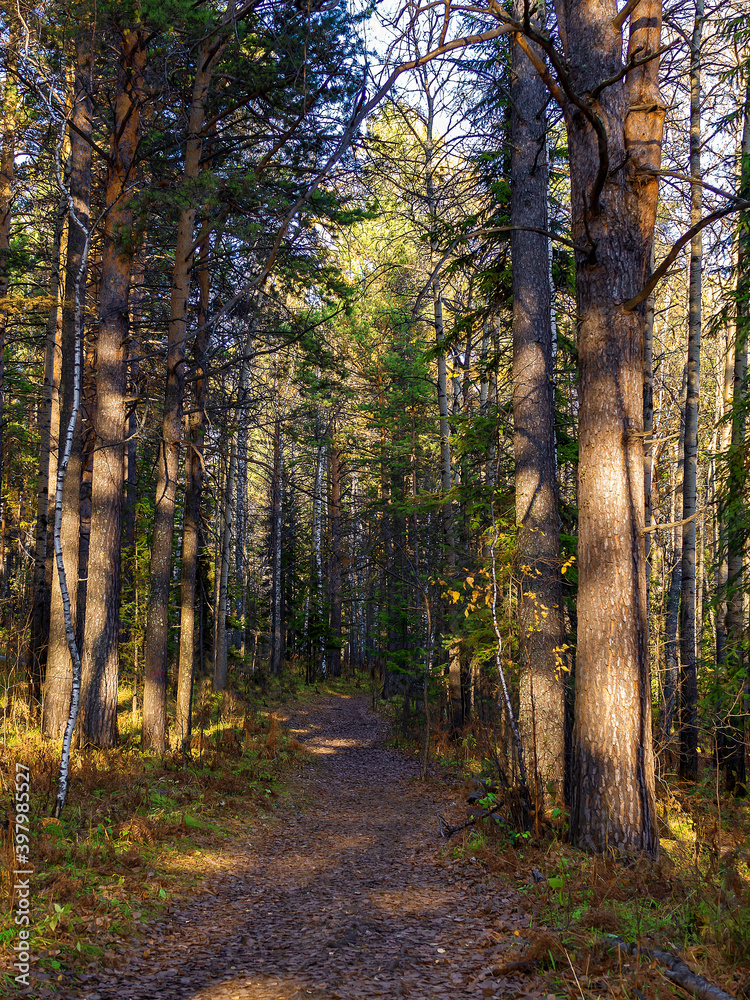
column 737, row 481
column 9, row 110
column 613, row 218
column 277, row 508
column 157, row 615
column 222, row 572
column 58, row 677
column 100, row 657
column 672, row 611
column 196, row 432
column 542, row 702
column 49, row 430
column 336, row 557
column 688, row 665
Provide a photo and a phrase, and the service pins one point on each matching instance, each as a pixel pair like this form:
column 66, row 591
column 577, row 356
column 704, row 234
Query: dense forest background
column 336, row 341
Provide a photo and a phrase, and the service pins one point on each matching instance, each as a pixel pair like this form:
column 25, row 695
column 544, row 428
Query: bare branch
column 621, row 17
column 674, row 253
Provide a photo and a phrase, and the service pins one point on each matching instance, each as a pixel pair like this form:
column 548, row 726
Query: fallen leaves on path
column 351, row 897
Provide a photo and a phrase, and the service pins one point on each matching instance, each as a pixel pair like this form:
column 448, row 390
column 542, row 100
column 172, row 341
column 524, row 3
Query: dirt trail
column 352, row 898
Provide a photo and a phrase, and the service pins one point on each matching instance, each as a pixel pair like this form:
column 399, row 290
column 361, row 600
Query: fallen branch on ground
column 677, row 971
column 447, row 831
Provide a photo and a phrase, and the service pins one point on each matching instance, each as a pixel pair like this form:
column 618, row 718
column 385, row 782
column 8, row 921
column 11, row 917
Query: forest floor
column 349, row 896
column 298, row 854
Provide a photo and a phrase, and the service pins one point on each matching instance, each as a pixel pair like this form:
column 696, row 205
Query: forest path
column 349, row 898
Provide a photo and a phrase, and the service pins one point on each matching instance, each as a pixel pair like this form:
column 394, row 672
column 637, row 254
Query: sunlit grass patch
column 139, row 831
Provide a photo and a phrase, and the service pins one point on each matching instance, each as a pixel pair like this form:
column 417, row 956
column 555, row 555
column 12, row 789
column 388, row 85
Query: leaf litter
column 349, row 896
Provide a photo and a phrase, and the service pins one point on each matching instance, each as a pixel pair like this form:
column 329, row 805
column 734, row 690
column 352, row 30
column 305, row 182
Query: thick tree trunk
column 613, row 217
column 689, row 671
column 542, row 697
column 157, row 616
column 100, row 657
column 58, row 679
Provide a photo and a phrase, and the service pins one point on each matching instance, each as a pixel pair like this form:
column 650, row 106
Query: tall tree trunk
column 100, row 657
column 58, row 678
column 542, row 695
column 240, row 519
column 737, row 480
column 672, row 612
column 277, row 506
column 336, row 556
column 724, row 736
column 688, row 667
column 437, row 311
column 648, row 428
column 613, row 218
column 49, row 429
column 191, row 528
column 222, row 602
column 7, row 177
column 157, row 616
column 317, row 554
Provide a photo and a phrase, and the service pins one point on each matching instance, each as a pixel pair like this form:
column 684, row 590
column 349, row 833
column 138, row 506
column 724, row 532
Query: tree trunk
column 9, row 106
column 222, row 603
column 317, row 514
column 191, row 528
column 672, row 614
column 724, row 736
column 688, row 668
column 100, row 658
column 277, row 505
column 613, row 217
column 542, row 696
column 157, row 616
column 49, row 430
column 336, row 557
column 240, row 518
column 737, row 482
column 648, row 429
column 58, row 679
column 437, row 312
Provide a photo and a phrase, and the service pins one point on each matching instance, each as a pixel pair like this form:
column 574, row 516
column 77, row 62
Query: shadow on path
column 351, row 899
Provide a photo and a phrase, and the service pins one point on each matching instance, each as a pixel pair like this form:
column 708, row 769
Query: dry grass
column 138, row 831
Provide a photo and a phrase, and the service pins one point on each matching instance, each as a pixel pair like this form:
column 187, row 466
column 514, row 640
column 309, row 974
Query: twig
column 447, row 831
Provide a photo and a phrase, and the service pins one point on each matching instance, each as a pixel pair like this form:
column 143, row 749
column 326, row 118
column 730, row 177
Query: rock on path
column 351, row 899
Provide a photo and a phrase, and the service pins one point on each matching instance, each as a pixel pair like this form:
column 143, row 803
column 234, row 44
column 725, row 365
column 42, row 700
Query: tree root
column 676, row 970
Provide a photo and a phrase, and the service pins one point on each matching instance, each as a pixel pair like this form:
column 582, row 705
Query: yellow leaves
column 16, row 305
column 454, row 596
column 570, row 561
column 470, row 581
column 562, row 667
